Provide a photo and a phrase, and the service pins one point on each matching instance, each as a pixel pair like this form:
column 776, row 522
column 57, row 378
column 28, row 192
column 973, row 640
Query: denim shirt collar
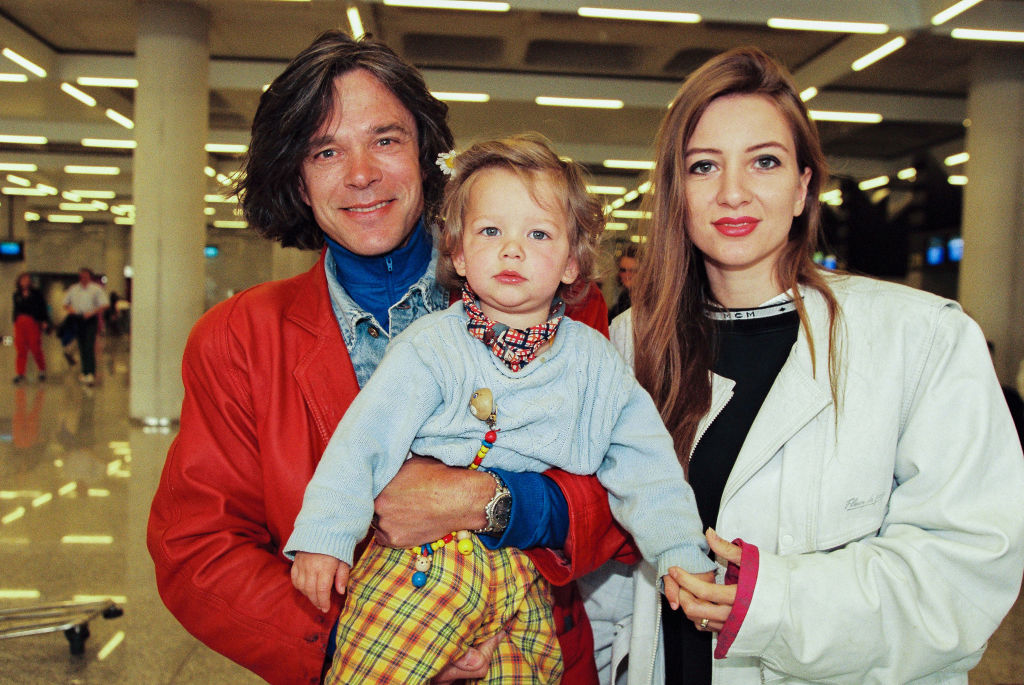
column 349, row 314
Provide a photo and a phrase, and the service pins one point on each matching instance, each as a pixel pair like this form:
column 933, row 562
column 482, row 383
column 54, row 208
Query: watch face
column 503, row 509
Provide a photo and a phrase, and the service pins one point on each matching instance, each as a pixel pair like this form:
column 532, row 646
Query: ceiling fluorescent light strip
column 87, row 539
column 27, row 192
column 627, row 164
column 448, row 96
column 631, row 214
column 98, row 170
column 472, row 5
column 832, row 26
column 593, row 103
column 952, row 160
column 950, row 12
column 13, row 78
column 639, row 15
column 103, row 82
column 24, row 63
column 84, row 98
column 23, row 140
column 355, row 22
column 906, row 174
column 109, row 142
column 230, row 148
column 851, row 117
column 616, row 226
column 606, row 190
column 872, row 183
column 120, row 118
column 19, row 181
column 64, row 218
column 984, row 34
column 879, row 53
column 18, row 166
column 957, row 180
column 808, row 93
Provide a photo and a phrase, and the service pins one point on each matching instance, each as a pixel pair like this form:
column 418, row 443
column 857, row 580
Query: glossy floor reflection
column 76, row 479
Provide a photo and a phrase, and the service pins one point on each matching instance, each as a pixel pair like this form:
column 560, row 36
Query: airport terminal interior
column 123, row 125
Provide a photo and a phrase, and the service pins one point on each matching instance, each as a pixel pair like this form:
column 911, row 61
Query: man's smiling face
column 361, row 175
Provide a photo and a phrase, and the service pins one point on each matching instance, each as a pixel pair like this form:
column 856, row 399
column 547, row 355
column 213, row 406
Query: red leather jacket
column 267, row 378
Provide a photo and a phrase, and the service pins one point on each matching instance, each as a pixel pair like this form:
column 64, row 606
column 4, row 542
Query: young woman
column 850, row 431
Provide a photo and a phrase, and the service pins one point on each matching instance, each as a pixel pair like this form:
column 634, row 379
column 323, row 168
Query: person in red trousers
column 31, row 320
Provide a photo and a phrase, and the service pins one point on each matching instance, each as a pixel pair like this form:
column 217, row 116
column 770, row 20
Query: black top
column 751, row 352
column 32, row 304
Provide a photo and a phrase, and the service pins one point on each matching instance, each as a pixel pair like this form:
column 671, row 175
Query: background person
column 626, row 272
column 86, row 300
column 31, row 319
column 852, row 433
column 342, row 158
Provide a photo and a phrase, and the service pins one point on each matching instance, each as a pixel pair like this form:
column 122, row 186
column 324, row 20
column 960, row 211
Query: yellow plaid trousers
column 393, row 632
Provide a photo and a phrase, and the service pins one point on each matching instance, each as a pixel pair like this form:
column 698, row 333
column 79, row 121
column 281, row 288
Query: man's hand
column 427, row 500
column 313, row 574
column 471, row 665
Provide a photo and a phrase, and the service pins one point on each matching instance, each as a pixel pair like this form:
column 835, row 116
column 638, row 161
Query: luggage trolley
column 71, row 617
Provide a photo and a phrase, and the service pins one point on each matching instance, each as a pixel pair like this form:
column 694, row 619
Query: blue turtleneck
column 376, row 283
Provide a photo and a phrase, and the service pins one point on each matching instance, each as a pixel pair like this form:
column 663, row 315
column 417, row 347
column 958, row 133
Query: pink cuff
column 744, row 577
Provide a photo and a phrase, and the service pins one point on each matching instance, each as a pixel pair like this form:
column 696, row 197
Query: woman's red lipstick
column 736, row 226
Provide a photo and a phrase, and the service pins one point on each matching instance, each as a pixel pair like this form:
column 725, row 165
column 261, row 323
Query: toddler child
column 499, row 379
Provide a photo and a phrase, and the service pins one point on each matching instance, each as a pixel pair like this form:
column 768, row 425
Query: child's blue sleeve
column 540, row 514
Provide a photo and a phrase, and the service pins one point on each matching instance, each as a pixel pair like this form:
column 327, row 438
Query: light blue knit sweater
column 576, row 407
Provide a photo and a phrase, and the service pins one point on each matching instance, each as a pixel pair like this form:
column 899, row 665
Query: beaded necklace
column 481, row 405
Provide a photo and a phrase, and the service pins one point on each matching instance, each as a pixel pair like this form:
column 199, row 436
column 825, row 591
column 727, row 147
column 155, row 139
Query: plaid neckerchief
column 515, row 347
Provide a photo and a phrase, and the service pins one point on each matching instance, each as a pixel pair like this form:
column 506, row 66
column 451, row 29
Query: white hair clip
column 446, row 162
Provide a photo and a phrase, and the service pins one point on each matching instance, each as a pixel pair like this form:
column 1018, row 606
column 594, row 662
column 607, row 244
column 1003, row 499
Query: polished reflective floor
column 76, row 479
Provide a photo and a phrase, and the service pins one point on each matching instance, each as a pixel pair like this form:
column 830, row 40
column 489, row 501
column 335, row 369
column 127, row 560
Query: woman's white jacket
column 892, row 541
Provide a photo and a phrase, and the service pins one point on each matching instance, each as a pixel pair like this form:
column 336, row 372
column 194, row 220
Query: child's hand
column 313, row 574
column 672, row 587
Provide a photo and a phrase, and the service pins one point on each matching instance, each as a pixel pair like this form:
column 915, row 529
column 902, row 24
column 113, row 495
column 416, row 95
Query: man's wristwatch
column 499, row 509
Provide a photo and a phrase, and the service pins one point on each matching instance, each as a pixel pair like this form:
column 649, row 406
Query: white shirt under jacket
column 891, row 549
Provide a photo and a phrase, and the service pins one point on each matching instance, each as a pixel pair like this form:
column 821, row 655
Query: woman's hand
column 704, row 602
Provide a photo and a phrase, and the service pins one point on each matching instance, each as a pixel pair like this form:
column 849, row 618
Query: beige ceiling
column 537, row 48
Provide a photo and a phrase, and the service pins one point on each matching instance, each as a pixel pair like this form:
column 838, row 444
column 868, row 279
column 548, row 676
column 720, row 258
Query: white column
column 992, row 273
column 171, row 116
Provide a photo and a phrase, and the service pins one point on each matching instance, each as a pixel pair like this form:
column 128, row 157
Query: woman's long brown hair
column 673, row 339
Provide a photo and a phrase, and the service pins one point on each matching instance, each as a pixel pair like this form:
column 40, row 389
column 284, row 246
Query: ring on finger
column 704, row 624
